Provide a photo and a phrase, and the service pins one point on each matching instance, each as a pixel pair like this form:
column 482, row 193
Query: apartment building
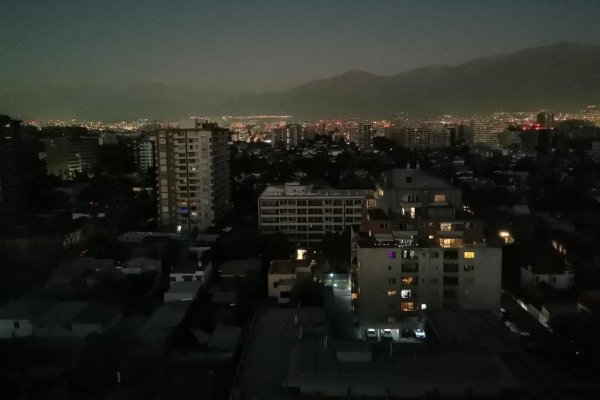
column 306, row 212
column 394, row 280
column 193, row 175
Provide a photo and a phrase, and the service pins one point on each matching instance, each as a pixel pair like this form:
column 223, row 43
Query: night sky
column 267, row 45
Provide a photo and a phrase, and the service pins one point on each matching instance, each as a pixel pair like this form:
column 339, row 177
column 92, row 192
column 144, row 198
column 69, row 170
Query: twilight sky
column 267, row 45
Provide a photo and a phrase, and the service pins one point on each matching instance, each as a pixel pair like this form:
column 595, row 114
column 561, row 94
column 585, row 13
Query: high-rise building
column 365, row 135
column 11, row 184
column 70, row 152
column 287, row 137
column 193, row 178
column 417, row 249
column 143, row 154
column 545, row 119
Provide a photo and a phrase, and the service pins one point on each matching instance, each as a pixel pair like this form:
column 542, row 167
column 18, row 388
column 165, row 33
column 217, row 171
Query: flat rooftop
column 281, row 267
column 281, row 191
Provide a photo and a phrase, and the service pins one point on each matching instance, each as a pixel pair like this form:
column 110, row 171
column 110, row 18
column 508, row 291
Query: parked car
column 387, row 334
column 407, row 333
column 371, row 334
column 420, row 334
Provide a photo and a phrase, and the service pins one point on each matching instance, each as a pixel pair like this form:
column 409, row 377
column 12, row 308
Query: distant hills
column 562, row 77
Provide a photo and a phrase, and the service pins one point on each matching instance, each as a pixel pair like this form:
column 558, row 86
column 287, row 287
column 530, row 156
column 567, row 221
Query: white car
column 420, row 334
column 371, row 334
column 387, row 333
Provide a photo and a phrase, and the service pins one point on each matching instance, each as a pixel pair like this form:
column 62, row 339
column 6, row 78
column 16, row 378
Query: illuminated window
column 445, row 226
column 439, row 198
column 405, row 294
column 354, row 296
column 391, row 254
column 450, row 243
column 407, row 306
column 423, row 306
column 469, row 254
column 391, row 293
column 430, row 237
column 407, row 280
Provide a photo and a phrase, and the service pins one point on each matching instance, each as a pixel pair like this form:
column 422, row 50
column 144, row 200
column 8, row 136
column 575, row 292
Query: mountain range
column 563, row 77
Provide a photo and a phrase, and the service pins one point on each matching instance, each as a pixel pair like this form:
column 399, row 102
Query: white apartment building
column 395, row 280
column 193, row 175
column 305, row 213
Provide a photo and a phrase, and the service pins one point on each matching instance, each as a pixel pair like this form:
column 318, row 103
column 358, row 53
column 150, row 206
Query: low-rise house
column 57, row 321
column 140, row 265
column 182, row 291
column 17, row 318
column 283, row 275
column 557, row 276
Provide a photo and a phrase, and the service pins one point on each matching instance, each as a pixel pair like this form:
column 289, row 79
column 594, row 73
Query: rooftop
column 281, row 267
column 296, row 190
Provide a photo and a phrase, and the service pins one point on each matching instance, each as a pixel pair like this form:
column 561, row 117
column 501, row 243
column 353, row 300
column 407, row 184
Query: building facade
column 193, row 176
column 395, row 280
column 305, row 213
column 11, row 184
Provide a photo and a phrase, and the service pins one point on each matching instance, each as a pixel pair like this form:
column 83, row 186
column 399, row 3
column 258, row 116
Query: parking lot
column 400, row 335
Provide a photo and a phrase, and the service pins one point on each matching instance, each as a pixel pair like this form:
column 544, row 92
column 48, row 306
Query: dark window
column 450, row 267
column 285, row 295
column 410, row 267
column 409, row 179
column 451, row 254
column 451, row 280
column 16, row 324
column 275, row 284
column 450, row 294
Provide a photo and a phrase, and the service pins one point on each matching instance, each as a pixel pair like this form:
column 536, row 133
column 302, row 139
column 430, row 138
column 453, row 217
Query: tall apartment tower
column 192, row 175
column 11, row 184
column 365, row 137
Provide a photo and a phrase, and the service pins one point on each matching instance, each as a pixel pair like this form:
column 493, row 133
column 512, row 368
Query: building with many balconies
column 306, row 212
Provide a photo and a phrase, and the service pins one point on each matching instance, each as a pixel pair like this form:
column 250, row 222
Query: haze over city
column 210, row 50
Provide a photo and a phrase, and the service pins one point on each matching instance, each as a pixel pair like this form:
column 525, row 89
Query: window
column 445, row 226
column 392, row 281
column 451, row 255
column 410, row 267
column 469, row 268
column 407, row 306
column 469, row 254
column 391, row 293
column 450, row 267
column 449, row 294
column 16, row 324
column 407, row 280
column 389, row 267
column 405, row 294
column 439, row 198
column 409, row 179
column 275, row 284
column 391, row 254
column 450, row 280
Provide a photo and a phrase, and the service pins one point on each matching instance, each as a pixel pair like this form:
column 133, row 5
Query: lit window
column 391, row 254
column 423, row 306
column 445, row 226
column 469, row 254
column 439, row 198
column 405, row 294
column 407, row 306
column 430, row 237
column 391, row 293
column 354, row 296
column 407, row 280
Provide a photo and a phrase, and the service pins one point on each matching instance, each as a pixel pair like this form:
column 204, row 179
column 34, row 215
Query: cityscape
column 234, row 211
